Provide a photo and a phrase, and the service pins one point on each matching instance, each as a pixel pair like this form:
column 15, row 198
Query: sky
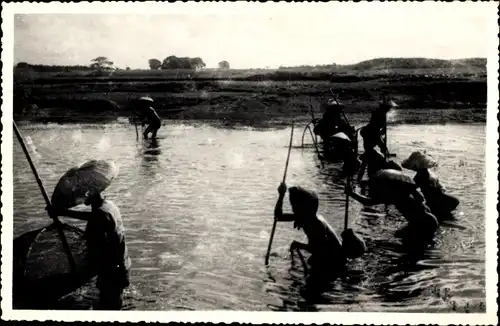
column 285, row 35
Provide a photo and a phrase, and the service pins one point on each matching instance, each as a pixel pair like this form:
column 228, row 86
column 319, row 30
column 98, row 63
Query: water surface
column 198, row 210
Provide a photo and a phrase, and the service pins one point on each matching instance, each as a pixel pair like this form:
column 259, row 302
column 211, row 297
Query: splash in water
column 392, row 116
column 103, row 145
column 76, row 136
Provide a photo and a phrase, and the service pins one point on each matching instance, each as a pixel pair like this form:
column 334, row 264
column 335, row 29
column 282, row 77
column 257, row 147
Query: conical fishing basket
column 42, row 268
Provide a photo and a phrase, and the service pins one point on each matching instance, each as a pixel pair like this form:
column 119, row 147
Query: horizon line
column 254, row 68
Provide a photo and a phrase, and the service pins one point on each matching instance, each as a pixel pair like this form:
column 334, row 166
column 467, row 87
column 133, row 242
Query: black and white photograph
column 221, row 162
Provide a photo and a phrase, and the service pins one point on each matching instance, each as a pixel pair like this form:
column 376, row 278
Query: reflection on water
column 198, row 209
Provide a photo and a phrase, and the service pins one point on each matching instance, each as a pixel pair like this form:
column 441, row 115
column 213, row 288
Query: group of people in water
column 387, row 183
column 422, row 201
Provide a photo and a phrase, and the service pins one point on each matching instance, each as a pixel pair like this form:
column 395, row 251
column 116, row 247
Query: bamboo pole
column 346, row 215
column 284, row 179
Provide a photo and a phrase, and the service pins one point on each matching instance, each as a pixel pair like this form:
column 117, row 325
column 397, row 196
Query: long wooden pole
column 313, row 118
column 284, row 179
column 316, row 146
column 385, row 139
column 45, row 196
column 346, row 216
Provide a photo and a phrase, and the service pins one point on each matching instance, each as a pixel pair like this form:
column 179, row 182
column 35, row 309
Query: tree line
column 104, row 64
column 174, row 62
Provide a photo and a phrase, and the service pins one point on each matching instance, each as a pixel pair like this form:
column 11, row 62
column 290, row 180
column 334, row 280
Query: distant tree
column 23, row 65
column 154, row 64
column 128, row 68
column 197, row 63
column 101, row 64
column 173, row 62
column 224, row 65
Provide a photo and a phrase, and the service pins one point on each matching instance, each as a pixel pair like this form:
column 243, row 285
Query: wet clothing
column 372, row 132
column 110, row 297
column 332, row 123
column 417, row 213
column 440, row 203
column 408, row 201
column 372, row 137
column 108, row 252
column 153, row 120
column 378, row 118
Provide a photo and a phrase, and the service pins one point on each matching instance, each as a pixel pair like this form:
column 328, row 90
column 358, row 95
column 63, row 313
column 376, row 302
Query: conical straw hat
column 92, row 177
column 419, row 160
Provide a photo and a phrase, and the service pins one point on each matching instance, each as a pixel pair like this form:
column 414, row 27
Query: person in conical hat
column 390, row 186
column 105, row 230
column 150, row 117
column 327, row 254
column 440, row 203
column 333, row 122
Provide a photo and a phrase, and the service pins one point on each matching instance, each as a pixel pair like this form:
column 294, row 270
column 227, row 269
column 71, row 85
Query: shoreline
column 408, row 116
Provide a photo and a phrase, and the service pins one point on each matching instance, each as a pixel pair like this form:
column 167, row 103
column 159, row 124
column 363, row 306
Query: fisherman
column 440, row 203
column 107, row 249
column 373, row 161
column 328, row 257
column 333, row 122
column 389, row 186
column 150, row 117
column 376, row 127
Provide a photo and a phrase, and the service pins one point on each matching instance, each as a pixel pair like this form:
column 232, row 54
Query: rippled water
column 198, row 210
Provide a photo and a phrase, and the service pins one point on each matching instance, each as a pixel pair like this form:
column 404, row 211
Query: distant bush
column 154, row 64
column 224, row 65
column 173, row 62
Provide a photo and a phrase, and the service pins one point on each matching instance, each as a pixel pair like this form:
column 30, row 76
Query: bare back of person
column 325, row 246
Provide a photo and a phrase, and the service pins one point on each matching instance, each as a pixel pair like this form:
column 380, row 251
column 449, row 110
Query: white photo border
column 491, row 166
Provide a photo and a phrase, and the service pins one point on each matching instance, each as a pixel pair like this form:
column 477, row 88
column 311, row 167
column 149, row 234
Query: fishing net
column 43, row 271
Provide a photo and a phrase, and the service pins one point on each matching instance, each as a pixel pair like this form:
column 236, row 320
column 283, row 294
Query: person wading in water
column 105, row 233
column 332, row 122
column 328, row 259
column 388, row 186
column 149, row 116
column 440, row 203
column 376, row 127
column 373, row 161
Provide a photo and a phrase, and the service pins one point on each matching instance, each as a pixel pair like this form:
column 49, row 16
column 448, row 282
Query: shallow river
column 198, row 210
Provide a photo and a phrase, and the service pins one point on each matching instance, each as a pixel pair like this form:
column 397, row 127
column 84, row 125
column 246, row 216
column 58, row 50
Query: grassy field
column 252, row 96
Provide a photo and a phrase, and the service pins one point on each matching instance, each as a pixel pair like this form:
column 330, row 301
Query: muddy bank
column 250, row 102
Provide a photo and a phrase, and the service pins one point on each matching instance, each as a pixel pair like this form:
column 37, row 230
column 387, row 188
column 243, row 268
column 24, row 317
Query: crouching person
column 327, row 260
column 394, row 187
column 440, row 203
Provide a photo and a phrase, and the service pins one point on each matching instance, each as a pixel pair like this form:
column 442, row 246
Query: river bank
column 248, row 100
